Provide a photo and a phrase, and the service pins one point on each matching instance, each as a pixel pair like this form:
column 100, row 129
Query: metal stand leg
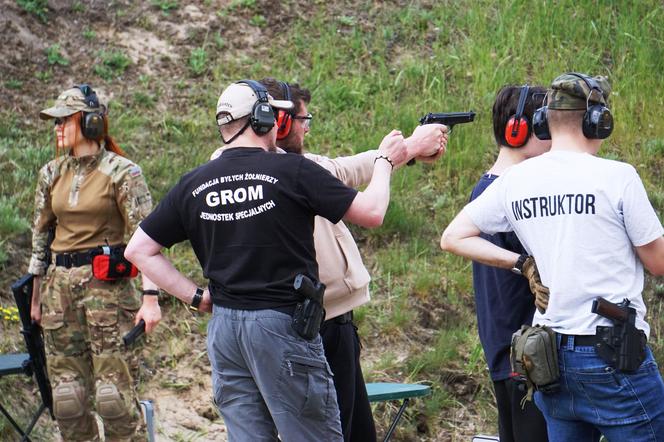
column 33, row 422
column 149, row 419
column 14, row 424
column 396, row 420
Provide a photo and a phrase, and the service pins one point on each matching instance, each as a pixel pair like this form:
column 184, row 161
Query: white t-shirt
column 579, row 216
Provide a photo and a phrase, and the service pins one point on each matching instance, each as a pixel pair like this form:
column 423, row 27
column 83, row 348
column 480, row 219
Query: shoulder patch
column 135, row 171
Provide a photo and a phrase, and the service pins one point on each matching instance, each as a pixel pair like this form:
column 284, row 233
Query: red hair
column 109, row 142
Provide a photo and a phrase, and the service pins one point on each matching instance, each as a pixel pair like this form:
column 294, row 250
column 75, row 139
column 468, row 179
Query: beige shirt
column 340, row 265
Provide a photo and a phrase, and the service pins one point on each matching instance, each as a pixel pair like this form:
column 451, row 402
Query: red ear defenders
column 92, row 123
column 517, row 130
column 597, row 120
column 261, row 118
column 284, row 117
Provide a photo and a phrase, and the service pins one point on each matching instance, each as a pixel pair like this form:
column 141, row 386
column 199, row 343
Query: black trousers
column 516, row 424
column 342, row 349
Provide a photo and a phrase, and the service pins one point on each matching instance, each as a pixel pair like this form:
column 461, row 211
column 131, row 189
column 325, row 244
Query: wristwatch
column 518, row 265
column 196, row 300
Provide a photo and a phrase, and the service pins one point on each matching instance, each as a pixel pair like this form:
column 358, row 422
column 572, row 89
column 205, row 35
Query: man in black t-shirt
column 249, row 217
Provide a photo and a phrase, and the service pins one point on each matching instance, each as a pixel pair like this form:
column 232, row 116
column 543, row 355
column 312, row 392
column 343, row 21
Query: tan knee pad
column 109, row 402
column 68, row 400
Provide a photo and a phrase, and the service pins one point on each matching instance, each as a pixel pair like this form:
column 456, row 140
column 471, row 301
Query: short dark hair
column 507, row 100
column 298, row 94
column 565, row 118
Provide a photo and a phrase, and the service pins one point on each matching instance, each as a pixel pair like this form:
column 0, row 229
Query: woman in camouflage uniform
column 90, row 195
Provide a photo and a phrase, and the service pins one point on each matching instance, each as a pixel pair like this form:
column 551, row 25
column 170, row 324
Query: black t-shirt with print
column 249, row 216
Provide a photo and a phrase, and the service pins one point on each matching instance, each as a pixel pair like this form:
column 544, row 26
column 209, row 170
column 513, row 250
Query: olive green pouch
column 534, row 357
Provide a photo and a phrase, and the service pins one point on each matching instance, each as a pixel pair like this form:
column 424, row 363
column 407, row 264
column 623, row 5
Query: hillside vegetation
column 371, row 67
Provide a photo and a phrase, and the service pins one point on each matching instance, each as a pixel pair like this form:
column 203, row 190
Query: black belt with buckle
column 76, row 259
column 579, row 340
column 342, row 319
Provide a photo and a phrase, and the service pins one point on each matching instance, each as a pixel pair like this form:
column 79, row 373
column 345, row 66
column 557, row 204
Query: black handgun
column 309, row 313
column 449, row 119
column 34, row 341
column 622, row 346
column 134, row 333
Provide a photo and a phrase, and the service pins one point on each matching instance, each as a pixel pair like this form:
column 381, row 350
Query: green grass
column 55, row 57
column 37, row 7
column 198, row 61
column 371, row 67
column 111, row 64
column 165, row 5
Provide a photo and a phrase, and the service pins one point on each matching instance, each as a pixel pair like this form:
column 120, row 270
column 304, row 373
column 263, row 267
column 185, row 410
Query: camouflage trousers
column 83, row 320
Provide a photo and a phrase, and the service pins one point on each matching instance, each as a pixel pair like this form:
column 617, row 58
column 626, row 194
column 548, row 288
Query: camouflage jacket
column 90, row 200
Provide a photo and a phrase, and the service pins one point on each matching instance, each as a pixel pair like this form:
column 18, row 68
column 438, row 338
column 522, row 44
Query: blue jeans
column 595, row 398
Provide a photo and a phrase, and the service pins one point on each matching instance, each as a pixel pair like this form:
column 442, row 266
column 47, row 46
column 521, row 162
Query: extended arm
column 369, row 207
column 146, row 254
column 427, row 142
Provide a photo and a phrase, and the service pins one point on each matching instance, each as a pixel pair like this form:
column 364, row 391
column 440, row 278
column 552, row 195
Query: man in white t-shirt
column 591, row 228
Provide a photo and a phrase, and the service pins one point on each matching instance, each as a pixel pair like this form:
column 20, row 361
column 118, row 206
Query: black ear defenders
column 517, row 130
column 597, row 120
column 92, row 123
column 540, row 123
column 261, row 118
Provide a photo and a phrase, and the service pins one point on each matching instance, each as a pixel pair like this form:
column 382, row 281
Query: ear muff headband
column 540, row 123
column 517, row 130
column 261, row 118
column 284, row 117
column 598, row 120
column 92, row 123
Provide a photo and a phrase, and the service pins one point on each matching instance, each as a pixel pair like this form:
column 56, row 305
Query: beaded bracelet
column 386, row 158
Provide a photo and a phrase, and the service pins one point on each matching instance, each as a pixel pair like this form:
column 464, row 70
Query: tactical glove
column 540, row 291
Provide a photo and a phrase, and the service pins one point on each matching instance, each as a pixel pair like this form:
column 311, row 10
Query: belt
column 579, row 340
column 342, row 319
column 288, row 309
column 76, row 259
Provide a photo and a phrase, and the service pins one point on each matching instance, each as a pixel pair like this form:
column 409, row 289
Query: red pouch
column 109, row 264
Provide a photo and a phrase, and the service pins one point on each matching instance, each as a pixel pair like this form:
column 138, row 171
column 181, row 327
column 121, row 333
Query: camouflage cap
column 570, row 92
column 68, row 103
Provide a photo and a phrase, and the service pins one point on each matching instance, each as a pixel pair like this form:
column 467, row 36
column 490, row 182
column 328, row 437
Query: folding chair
column 386, row 391
column 18, row 364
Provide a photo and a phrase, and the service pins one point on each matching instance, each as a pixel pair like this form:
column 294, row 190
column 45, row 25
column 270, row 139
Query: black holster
column 622, row 346
column 309, row 313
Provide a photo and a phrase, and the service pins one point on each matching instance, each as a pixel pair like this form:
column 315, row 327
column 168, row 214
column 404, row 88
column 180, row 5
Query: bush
column 198, row 61
column 35, row 7
column 111, row 64
column 54, row 56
